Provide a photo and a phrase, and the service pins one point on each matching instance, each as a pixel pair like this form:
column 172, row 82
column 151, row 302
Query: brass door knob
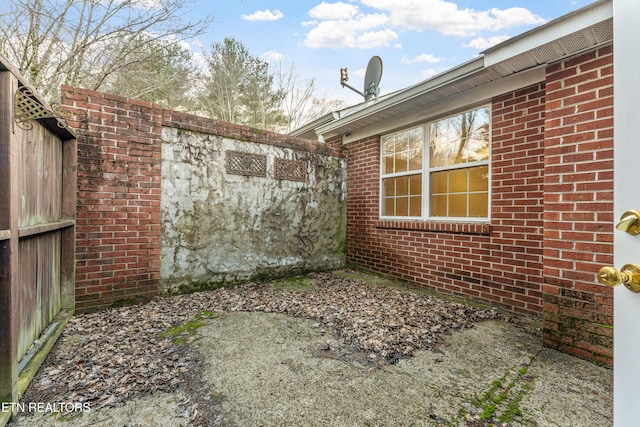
column 629, row 275
column 630, row 222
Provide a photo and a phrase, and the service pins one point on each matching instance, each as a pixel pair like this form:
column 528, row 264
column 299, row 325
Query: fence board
column 41, row 182
column 9, row 279
column 28, row 297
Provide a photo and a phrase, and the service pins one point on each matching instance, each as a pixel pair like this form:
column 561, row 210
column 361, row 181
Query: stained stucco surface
column 219, row 227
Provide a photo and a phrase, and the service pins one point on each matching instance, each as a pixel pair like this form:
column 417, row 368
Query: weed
column 179, row 334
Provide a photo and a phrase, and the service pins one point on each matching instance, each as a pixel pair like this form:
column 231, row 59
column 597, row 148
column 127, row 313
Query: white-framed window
column 439, row 169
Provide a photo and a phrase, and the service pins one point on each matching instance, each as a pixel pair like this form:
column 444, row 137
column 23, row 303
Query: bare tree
column 84, row 42
column 301, row 102
column 167, row 80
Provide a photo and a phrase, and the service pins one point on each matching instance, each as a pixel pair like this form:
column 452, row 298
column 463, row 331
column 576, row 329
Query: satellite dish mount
column 371, row 79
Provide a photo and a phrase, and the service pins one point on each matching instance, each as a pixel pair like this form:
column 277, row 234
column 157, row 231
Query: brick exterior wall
column 118, row 206
column 497, row 263
column 551, row 212
column 578, row 221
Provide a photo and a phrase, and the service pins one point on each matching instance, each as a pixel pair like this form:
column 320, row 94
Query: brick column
column 578, row 237
column 118, row 216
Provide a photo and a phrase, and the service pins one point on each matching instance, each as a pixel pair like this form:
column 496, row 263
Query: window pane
column 402, row 186
column 402, row 151
column 415, row 160
column 478, row 141
column 439, row 182
column 457, row 205
column 438, row 205
column 437, row 147
column 396, row 200
column 415, row 205
column 388, row 206
column 402, row 143
column 479, row 205
column 479, row 178
column 388, row 164
column 402, row 206
column 401, row 162
column 460, row 139
column 458, row 181
column 389, row 187
column 415, row 185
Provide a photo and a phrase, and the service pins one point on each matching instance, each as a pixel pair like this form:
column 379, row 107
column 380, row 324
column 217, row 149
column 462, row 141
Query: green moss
column 488, row 411
column 191, row 287
column 180, row 334
column 502, row 400
column 499, row 398
column 127, row 302
column 294, row 284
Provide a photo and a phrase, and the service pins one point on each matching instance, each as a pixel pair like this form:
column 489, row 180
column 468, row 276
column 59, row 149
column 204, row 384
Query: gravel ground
column 145, row 353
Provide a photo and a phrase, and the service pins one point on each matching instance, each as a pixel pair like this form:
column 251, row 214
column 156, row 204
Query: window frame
column 427, row 170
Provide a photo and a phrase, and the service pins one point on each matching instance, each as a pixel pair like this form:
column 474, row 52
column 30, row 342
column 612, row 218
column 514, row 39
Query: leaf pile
column 106, row 357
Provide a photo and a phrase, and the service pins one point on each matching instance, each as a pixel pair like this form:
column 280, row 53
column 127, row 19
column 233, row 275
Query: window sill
column 482, row 228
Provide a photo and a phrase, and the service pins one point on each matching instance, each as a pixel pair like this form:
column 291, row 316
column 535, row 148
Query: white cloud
column 264, row 15
column 482, row 43
column 333, row 11
column 373, row 39
column 425, row 57
column 273, row 56
column 446, row 18
column 513, row 17
column 363, row 31
column 429, row 72
column 346, row 25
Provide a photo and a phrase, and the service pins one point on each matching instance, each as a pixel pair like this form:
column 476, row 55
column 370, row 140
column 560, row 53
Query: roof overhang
column 515, row 63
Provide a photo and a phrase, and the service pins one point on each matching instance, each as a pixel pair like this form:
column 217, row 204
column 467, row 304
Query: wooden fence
column 37, row 231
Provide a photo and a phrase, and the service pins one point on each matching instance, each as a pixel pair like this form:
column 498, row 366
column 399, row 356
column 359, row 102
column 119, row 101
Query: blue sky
column 415, row 38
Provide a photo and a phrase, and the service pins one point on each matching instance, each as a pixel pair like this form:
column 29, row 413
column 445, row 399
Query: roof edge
column 463, row 70
column 562, row 26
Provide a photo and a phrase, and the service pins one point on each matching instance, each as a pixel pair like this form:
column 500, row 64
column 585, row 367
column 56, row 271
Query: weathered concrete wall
column 220, row 227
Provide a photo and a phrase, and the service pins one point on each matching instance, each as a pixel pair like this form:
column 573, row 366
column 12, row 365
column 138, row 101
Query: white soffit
column 572, row 33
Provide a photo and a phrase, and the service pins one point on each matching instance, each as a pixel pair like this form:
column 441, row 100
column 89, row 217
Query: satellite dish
column 371, row 79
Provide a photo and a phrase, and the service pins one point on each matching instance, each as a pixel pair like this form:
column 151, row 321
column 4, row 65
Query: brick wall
column 578, row 237
column 118, row 211
column 498, row 263
column 180, row 120
column 551, row 212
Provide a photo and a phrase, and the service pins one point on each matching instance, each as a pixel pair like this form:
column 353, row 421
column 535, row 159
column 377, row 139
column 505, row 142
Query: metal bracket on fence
column 26, row 108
